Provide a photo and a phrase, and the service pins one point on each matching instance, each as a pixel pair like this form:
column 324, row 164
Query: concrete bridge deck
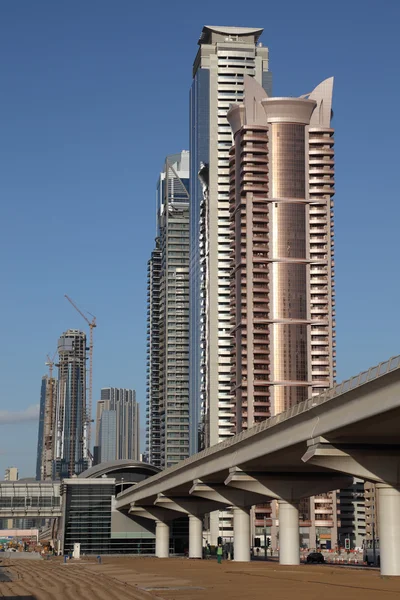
column 351, row 430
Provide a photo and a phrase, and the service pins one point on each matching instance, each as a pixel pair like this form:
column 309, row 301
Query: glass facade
column 168, row 319
column 199, row 152
column 121, row 437
column 88, row 517
column 108, row 435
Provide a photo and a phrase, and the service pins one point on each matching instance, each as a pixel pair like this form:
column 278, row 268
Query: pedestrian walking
column 219, row 554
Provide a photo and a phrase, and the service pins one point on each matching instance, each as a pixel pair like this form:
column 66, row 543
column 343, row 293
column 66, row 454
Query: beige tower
column 282, row 315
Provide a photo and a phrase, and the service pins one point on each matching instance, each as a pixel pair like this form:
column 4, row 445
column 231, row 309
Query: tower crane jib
column 92, row 324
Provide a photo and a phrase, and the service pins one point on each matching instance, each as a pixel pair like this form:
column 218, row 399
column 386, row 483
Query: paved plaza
column 182, row 579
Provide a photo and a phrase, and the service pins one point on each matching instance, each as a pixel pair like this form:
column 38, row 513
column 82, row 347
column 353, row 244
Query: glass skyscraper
column 168, row 319
column 117, row 425
column 108, row 435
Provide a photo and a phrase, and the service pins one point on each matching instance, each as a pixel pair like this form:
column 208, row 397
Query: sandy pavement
column 181, row 579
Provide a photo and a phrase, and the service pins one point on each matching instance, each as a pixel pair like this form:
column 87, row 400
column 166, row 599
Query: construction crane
column 92, row 325
column 50, row 363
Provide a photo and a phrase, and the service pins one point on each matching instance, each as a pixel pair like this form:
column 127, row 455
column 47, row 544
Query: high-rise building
column 225, row 56
column 168, row 319
column 70, row 456
column 153, row 430
column 281, row 170
column 352, row 510
column 46, row 431
column 11, row 474
column 108, row 435
column 282, row 311
column 371, row 511
column 117, row 425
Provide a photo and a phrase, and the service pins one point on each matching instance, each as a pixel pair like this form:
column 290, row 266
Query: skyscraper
column 153, row 430
column 225, row 56
column 117, row 425
column 281, row 173
column 281, row 207
column 71, row 414
column 168, row 319
column 46, row 430
column 108, row 435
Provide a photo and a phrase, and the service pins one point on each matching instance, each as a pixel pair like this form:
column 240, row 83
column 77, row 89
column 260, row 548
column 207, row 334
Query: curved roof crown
column 106, row 468
column 240, row 31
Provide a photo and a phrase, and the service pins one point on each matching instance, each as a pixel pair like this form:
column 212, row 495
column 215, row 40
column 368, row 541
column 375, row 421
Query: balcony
column 251, row 158
column 260, row 135
column 319, row 139
column 319, row 151
column 321, row 171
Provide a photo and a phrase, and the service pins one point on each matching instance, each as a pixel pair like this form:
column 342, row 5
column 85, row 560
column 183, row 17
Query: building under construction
column 46, row 434
column 70, row 451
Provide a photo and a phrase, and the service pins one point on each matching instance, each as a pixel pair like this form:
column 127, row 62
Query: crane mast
column 92, row 325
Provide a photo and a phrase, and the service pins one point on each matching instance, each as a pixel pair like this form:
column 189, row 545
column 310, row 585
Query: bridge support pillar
column 389, row 528
column 162, row 539
column 289, row 536
column 241, row 534
column 195, row 537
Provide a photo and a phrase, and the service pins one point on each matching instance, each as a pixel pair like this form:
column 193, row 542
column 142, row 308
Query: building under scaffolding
column 70, row 456
column 46, row 434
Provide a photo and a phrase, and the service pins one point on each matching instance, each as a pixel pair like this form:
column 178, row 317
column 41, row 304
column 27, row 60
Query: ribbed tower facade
column 225, row 56
column 282, row 287
column 281, row 170
column 71, row 412
column 168, row 319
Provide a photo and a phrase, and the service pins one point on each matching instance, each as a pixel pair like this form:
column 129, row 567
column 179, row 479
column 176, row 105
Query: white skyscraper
column 225, row 56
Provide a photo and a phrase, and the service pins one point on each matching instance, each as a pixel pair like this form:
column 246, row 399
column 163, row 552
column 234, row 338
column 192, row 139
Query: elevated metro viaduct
column 351, row 430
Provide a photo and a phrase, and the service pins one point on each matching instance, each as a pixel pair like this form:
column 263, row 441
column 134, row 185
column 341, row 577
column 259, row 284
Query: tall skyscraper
column 71, row 413
column 153, row 429
column 168, row 319
column 117, row 425
column 225, row 56
column 281, row 172
column 46, row 431
column 108, row 435
column 281, row 207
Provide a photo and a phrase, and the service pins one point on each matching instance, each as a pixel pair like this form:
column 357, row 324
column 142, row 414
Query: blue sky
column 94, row 94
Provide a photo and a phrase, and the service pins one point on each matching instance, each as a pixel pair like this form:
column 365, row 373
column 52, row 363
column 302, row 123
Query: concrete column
column 289, row 537
column 195, row 537
column 162, row 539
column 241, row 534
column 214, row 527
column 389, row 528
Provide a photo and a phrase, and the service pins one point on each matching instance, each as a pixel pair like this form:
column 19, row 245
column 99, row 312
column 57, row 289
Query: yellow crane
column 50, row 363
column 92, row 325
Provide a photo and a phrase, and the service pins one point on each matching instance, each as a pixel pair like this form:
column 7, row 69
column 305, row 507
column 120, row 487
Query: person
column 219, row 554
column 208, row 551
